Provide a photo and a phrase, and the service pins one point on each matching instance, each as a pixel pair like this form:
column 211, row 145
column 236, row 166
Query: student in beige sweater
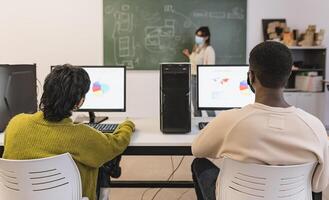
column 269, row 132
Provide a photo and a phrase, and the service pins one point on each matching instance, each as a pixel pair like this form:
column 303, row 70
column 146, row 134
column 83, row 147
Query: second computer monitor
column 222, row 87
column 107, row 89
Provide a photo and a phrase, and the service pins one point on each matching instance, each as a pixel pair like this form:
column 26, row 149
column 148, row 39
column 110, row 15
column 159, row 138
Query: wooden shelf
column 293, row 90
column 308, row 70
column 305, row 48
column 311, row 59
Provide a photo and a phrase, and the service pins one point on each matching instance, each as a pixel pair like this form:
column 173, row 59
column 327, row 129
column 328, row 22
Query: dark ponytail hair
column 63, row 89
column 205, row 32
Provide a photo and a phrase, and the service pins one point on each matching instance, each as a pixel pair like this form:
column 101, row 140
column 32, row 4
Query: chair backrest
column 51, row 178
column 242, row 181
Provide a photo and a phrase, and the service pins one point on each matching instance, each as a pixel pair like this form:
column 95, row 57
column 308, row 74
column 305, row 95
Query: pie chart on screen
column 99, row 88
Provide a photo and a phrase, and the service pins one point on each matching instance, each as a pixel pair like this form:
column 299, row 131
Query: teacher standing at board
column 202, row 54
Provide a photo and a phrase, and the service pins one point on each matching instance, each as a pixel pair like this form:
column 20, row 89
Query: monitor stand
column 96, row 120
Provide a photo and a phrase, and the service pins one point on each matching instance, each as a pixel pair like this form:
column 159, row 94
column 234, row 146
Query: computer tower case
column 175, row 98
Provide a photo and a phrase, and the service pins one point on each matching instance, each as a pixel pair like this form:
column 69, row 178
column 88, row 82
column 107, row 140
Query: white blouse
column 203, row 56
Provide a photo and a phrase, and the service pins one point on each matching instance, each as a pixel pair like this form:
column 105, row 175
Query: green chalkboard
column 143, row 33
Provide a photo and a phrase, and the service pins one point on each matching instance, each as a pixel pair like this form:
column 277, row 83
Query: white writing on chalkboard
column 142, row 34
column 236, row 13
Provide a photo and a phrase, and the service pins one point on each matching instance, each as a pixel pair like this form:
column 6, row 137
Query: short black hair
column 271, row 62
column 205, row 32
column 63, row 89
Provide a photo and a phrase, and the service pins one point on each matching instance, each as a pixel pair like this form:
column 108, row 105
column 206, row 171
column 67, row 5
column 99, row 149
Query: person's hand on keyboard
column 104, row 128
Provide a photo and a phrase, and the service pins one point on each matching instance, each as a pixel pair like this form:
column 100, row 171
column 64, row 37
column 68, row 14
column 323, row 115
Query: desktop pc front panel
column 175, row 102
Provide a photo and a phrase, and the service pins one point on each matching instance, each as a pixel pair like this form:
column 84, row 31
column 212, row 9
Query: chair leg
column 317, row 196
column 104, row 194
column 204, row 174
column 103, row 182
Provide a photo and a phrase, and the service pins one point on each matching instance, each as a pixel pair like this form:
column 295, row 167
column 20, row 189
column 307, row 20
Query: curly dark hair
column 272, row 63
column 63, row 89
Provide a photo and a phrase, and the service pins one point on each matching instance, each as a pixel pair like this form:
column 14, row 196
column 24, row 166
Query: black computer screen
column 18, row 91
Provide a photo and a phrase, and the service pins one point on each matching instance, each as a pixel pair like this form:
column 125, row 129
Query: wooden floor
column 154, row 168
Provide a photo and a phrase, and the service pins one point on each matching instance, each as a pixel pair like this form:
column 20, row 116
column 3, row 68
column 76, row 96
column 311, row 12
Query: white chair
column 52, row 178
column 242, row 181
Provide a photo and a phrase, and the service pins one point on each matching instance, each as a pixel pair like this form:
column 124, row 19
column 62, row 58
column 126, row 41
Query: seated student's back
column 51, row 132
column 267, row 135
column 270, row 131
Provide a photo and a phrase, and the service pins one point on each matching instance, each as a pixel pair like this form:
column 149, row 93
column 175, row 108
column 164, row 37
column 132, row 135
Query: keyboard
column 105, row 128
column 202, row 125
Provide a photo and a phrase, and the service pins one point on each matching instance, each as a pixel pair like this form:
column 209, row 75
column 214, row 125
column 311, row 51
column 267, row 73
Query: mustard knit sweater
column 31, row 136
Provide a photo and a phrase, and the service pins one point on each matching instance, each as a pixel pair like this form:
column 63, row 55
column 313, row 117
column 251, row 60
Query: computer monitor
column 222, row 87
column 18, row 91
column 107, row 91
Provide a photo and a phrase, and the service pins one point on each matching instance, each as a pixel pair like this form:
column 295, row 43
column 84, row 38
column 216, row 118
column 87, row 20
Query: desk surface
column 148, row 133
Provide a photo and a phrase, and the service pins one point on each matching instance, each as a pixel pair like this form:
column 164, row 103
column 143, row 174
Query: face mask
column 199, row 40
column 250, row 85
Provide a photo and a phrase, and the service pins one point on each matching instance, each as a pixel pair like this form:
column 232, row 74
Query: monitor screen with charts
column 107, row 89
column 107, row 92
column 221, row 87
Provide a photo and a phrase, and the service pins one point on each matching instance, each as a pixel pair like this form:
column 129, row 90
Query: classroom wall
column 299, row 14
column 71, row 31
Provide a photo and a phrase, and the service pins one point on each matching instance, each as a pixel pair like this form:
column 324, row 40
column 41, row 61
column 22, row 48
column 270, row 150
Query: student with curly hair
column 51, row 132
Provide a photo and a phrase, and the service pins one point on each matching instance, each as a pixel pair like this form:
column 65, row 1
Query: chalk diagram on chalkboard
column 159, row 38
column 142, row 34
column 124, row 41
column 155, row 36
column 188, row 21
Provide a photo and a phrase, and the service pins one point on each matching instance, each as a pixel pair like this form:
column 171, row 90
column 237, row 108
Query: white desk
column 149, row 140
column 148, row 133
